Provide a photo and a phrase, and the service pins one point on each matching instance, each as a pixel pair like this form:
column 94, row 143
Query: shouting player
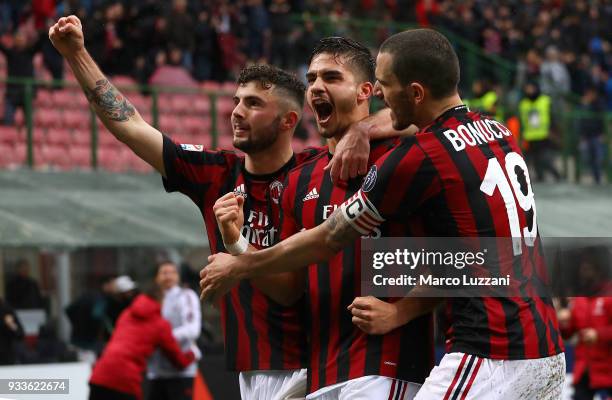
column 262, row 338
column 463, row 175
column 344, row 362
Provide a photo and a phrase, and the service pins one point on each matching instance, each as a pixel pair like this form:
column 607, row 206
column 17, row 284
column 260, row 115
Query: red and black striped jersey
column 339, row 351
column 259, row 333
column 464, row 176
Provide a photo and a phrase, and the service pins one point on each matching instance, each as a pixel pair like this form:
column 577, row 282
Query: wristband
column 241, row 246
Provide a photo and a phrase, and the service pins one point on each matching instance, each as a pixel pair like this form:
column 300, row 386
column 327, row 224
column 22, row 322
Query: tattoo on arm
column 340, row 232
column 113, row 104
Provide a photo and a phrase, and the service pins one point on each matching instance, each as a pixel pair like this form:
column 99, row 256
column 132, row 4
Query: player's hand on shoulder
column 230, row 216
column 374, row 316
column 67, row 35
column 351, row 155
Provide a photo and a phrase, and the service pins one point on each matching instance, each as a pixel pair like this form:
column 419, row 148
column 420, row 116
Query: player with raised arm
column 462, row 175
column 263, row 339
column 344, row 362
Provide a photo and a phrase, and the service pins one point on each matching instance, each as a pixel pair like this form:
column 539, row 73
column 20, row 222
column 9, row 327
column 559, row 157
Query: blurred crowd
column 566, row 45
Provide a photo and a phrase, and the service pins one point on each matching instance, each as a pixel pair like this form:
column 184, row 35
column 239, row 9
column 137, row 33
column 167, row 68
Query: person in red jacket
column 591, row 319
column 140, row 330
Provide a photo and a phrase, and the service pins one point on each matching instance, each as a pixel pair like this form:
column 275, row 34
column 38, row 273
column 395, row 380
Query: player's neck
column 269, row 160
column 438, row 107
column 360, row 114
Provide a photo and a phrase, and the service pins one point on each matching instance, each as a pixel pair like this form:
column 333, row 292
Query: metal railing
column 152, row 92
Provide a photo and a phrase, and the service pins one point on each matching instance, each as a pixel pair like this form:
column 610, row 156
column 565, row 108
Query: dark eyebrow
column 332, row 73
column 310, row 75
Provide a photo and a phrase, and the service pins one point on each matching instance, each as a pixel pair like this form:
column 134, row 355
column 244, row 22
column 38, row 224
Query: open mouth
column 240, row 128
column 323, row 109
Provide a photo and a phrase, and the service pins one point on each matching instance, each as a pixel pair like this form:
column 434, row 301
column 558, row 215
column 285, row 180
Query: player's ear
column 418, row 92
column 290, row 120
column 366, row 89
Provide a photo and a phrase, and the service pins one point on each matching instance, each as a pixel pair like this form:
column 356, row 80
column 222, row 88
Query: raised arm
column 113, row 108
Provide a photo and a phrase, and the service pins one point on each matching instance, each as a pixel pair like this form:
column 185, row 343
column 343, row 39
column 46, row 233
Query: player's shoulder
column 199, row 150
column 309, row 161
column 308, row 153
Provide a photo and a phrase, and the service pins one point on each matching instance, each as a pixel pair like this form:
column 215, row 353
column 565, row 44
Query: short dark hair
column 357, row 55
column 424, row 56
column 268, row 75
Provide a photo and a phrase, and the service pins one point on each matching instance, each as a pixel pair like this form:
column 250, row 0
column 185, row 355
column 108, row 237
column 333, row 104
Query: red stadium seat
column 7, row 155
column 123, row 81
column 80, row 156
column 225, row 106
column 183, row 103
column 58, row 136
column 81, row 137
column 201, row 105
column 142, row 103
column 9, row 134
column 64, row 99
column 47, row 117
column 44, row 98
column 76, row 119
column 170, row 123
column 210, row 85
column 196, row 125
column 19, row 118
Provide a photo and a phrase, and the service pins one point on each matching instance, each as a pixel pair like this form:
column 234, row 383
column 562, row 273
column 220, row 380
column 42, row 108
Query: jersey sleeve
column 191, row 170
column 401, row 180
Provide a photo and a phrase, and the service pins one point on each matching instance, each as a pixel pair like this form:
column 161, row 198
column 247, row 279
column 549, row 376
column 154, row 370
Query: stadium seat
column 201, row 105
column 81, row 137
column 7, row 155
column 183, row 103
column 196, row 125
column 44, row 98
column 168, row 75
column 142, row 103
column 76, row 119
column 225, row 106
column 229, row 87
column 121, row 81
column 65, row 99
column 170, row 123
column 80, row 156
column 58, row 136
column 19, row 117
column 210, row 85
column 47, row 117
column 9, row 134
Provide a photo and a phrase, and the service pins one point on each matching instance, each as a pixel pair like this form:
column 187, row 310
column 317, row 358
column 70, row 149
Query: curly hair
column 269, row 75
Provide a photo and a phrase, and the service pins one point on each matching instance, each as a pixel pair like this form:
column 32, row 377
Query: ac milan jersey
column 339, row 351
column 464, row 176
column 259, row 333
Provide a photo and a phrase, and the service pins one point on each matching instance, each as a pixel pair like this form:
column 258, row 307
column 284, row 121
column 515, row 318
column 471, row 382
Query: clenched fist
column 67, row 36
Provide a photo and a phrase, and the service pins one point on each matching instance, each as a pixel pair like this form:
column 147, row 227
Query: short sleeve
column 395, row 186
column 191, row 170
